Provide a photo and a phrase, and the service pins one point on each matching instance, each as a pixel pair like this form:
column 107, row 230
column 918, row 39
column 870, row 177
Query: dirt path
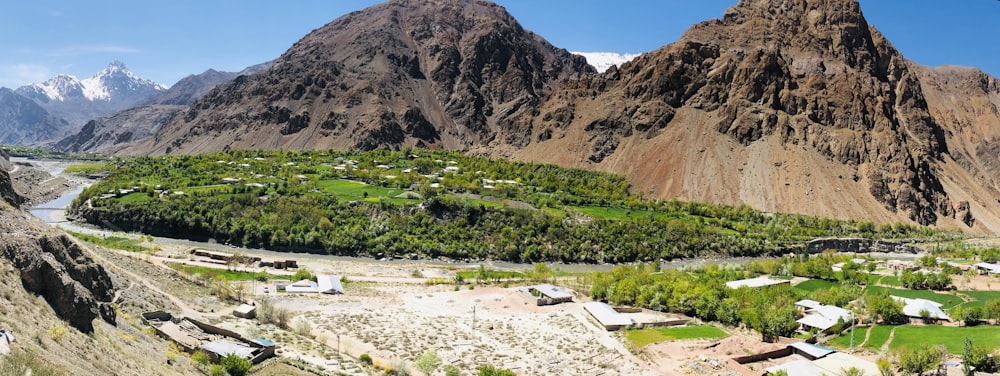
column 186, row 309
column 868, row 333
column 885, row 346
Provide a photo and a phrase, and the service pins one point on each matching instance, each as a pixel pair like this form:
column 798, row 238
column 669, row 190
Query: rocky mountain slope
column 112, row 89
column 107, row 134
column 794, row 106
column 440, row 74
column 23, row 121
column 58, row 300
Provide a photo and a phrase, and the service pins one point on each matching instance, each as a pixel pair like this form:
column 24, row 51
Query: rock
column 55, row 267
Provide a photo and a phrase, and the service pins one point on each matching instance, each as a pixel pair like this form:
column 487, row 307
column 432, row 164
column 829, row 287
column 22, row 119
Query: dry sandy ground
column 396, row 322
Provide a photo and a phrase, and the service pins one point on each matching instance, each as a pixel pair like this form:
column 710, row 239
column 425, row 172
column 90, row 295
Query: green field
column 87, row 168
column 114, row 242
column 642, row 337
column 979, row 297
column 879, row 334
column 813, row 285
column 890, row 280
column 490, row 274
column 953, row 338
column 222, row 274
column 350, row 189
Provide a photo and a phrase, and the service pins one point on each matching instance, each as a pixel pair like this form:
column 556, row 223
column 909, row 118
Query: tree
column 493, row 371
column 977, row 357
column 236, row 365
column 428, row 362
column 919, row 360
column 301, row 274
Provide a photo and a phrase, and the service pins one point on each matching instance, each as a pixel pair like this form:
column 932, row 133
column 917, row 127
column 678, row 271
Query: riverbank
column 40, row 181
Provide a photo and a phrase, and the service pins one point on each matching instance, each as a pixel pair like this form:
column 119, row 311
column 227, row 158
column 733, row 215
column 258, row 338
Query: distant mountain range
column 113, row 107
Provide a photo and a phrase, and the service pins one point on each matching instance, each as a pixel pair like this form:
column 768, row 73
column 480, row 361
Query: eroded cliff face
column 53, row 265
column 7, row 193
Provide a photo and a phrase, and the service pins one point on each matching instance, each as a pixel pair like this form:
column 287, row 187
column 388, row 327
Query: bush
column 301, row 274
column 452, row 370
column 493, row 371
column 201, row 357
column 217, row 370
column 366, row 359
column 236, row 365
column 428, row 362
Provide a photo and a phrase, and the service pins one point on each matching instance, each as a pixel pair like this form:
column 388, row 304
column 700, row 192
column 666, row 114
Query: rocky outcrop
column 858, row 245
column 7, row 193
column 55, row 267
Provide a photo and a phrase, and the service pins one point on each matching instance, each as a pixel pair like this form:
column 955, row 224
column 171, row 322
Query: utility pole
column 340, row 359
column 473, row 323
column 852, row 329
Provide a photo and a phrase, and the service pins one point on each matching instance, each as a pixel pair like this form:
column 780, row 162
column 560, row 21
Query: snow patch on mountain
column 116, row 78
column 604, row 60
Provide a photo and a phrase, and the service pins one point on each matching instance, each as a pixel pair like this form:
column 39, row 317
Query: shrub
column 236, row 365
column 201, row 357
column 366, row 359
column 428, row 362
column 452, row 370
column 217, row 370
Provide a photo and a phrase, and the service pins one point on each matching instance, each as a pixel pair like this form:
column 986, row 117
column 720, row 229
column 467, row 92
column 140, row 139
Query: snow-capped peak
column 116, row 78
column 604, row 60
column 59, row 87
column 114, row 81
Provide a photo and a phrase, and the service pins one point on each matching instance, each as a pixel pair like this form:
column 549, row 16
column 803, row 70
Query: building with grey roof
column 548, row 294
column 755, row 282
column 607, row 316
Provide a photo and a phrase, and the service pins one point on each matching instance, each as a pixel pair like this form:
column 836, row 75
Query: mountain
column 23, row 121
column 792, row 106
column 604, row 60
column 112, row 89
column 441, row 74
column 109, row 133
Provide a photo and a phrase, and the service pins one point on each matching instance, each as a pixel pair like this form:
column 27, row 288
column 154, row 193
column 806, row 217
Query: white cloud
column 16, row 75
column 77, row 50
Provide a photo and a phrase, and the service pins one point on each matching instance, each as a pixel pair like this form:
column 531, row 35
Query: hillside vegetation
column 435, row 204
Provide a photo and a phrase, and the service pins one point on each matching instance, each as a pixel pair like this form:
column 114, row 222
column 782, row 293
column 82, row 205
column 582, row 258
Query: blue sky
column 167, row 40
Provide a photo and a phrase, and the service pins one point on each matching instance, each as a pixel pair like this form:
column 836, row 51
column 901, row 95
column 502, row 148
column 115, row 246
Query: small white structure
column 988, row 268
column 755, row 282
column 607, row 316
column 913, row 308
column 245, row 311
column 797, row 367
column 820, row 316
column 329, row 284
